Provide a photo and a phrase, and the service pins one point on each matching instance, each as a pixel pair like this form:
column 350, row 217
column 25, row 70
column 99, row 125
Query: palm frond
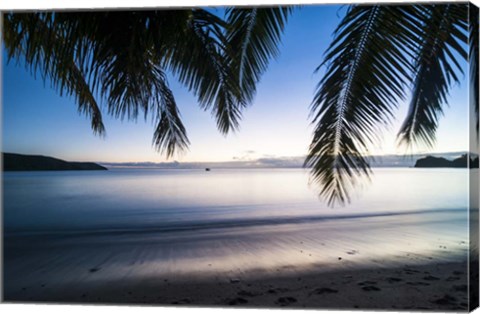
column 79, row 53
column 170, row 135
column 120, row 58
column 129, row 73
column 37, row 37
column 473, row 54
column 118, row 64
column 442, row 42
column 199, row 61
column 367, row 69
column 253, row 37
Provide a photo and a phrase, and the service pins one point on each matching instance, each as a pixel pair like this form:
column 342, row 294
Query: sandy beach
column 441, row 287
column 400, row 263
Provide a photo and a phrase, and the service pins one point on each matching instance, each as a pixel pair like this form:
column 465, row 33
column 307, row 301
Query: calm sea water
column 175, row 199
column 222, row 224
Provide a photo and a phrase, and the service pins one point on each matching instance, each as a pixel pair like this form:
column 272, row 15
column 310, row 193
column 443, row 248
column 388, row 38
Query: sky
column 36, row 120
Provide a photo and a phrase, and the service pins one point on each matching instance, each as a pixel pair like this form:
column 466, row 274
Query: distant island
column 440, row 162
column 17, row 162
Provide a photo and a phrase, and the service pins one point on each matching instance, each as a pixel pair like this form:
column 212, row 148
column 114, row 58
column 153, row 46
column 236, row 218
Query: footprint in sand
column 244, row 293
column 237, row 301
column 418, row 283
column 367, row 282
column 393, row 279
column 277, row 290
column 182, row 301
column 323, row 291
column 284, row 301
column 431, row 278
column 460, row 288
column 445, row 300
column 371, row 288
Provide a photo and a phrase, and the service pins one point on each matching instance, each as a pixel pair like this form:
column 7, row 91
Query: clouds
column 271, row 161
column 281, row 162
column 246, row 155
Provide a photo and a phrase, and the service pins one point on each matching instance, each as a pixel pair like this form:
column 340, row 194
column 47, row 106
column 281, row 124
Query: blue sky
column 36, row 120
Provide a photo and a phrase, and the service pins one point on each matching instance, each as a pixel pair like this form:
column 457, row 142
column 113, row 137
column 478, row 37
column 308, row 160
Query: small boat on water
column 207, row 169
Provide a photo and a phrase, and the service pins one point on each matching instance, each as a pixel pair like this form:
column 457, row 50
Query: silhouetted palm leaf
column 170, row 134
column 473, row 43
column 121, row 57
column 126, row 72
column 199, row 60
column 253, row 37
column 367, row 67
column 376, row 50
column 443, row 36
column 36, row 38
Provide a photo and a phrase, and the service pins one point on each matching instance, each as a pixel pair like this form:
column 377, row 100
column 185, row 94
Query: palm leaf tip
column 474, row 58
column 366, row 70
column 170, row 136
column 81, row 57
column 201, row 62
column 337, row 174
column 47, row 50
column 253, row 38
column 441, row 41
column 232, row 61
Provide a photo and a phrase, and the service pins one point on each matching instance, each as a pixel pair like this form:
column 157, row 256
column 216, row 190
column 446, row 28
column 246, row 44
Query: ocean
column 71, row 201
column 130, row 229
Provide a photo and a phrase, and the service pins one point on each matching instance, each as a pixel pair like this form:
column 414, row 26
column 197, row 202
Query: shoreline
column 410, row 262
column 434, row 286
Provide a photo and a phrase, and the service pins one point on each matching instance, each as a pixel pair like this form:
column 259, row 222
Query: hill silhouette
column 440, row 162
column 18, row 162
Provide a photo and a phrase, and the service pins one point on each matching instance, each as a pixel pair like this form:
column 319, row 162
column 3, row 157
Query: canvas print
column 317, row 156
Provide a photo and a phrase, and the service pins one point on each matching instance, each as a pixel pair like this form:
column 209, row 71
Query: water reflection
column 121, row 198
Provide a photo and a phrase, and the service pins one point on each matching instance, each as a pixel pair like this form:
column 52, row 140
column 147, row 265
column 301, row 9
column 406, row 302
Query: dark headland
column 440, row 162
column 17, row 162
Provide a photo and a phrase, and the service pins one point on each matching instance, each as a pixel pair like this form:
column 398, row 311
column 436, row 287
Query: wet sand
column 414, row 261
column 426, row 287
